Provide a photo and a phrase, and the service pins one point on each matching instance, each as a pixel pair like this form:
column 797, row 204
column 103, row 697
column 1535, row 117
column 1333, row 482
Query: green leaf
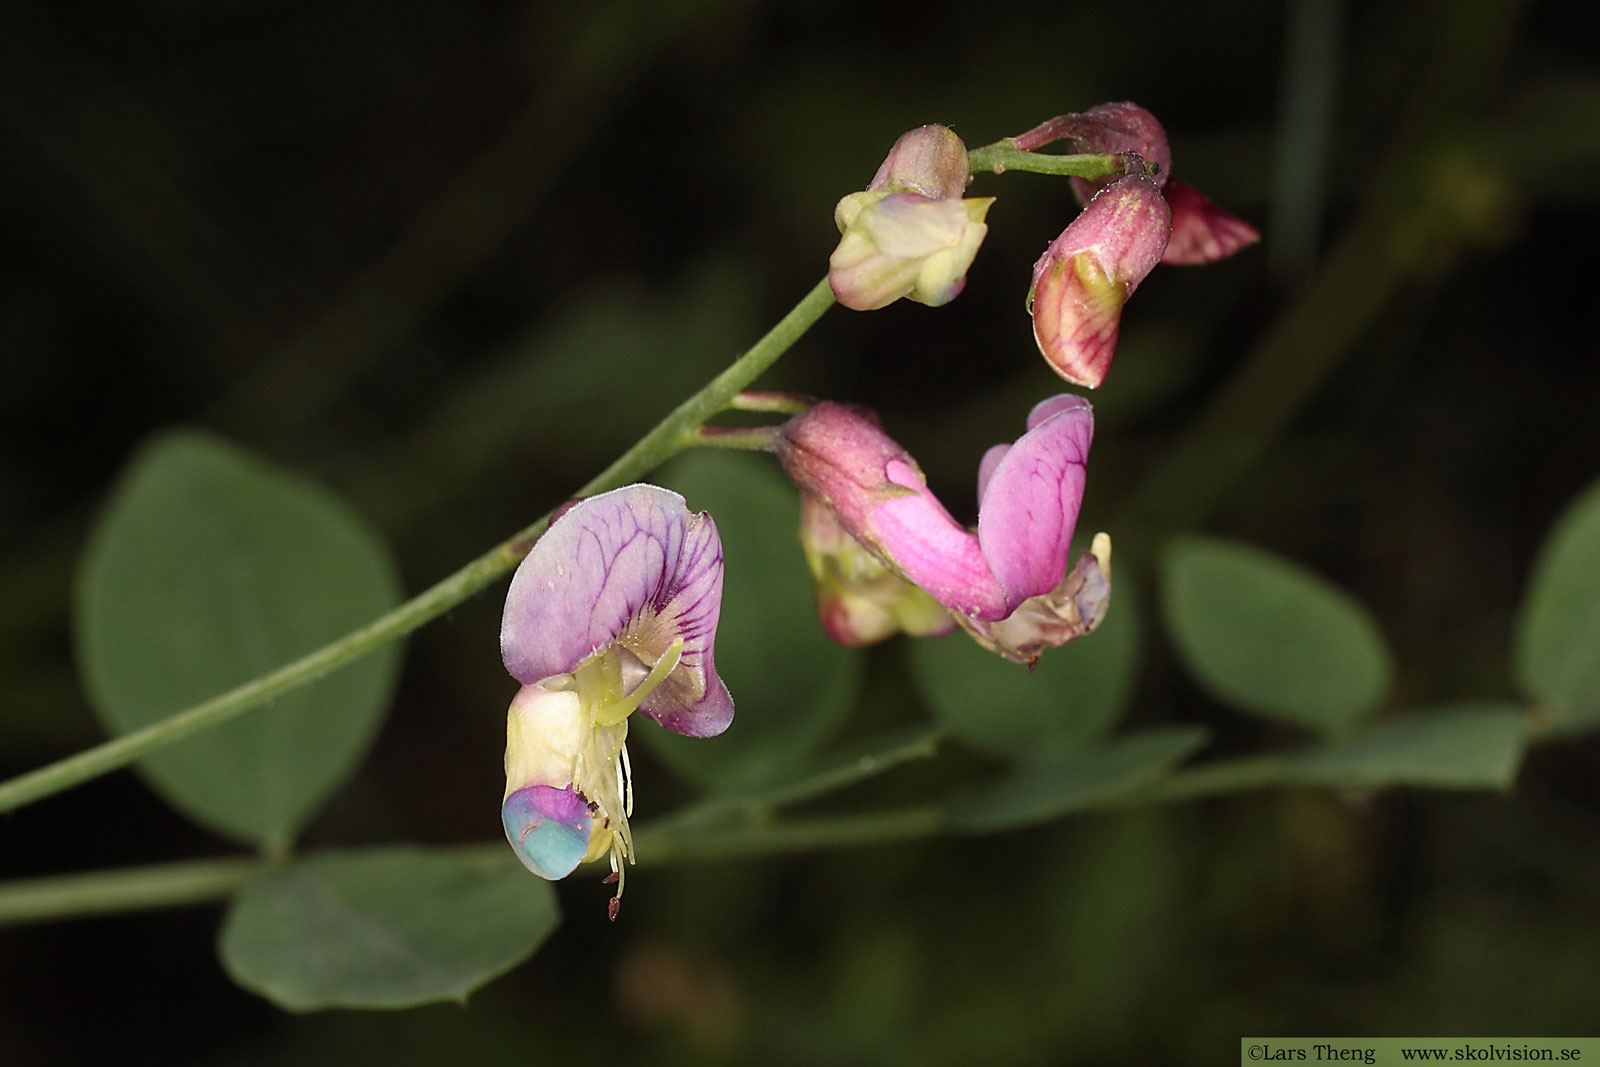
column 1558, row 629
column 1468, row 746
column 790, row 684
column 1043, row 791
column 1268, row 636
column 383, row 928
column 208, row 568
column 1070, row 701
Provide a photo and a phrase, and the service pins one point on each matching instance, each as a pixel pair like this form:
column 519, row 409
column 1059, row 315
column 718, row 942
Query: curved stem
column 669, row 436
column 1003, row 156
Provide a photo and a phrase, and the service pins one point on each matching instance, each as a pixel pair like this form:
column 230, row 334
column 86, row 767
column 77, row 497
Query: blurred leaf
column 791, row 685
column 1469, row 746
column 1044, row 791
column 1272, row 638
column 1558, row 631
column 1069, row 702
column 210, row 567
column 385, row 928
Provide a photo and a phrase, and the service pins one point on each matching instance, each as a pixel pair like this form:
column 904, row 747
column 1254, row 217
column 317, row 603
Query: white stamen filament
column 627, row 783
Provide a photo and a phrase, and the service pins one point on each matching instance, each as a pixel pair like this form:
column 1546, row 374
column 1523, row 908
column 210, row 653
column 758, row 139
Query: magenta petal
column 1202, row 232
column 633, row 567
column 1030, row 504
column 987, row 464
column 933, row 550
column 878, row 494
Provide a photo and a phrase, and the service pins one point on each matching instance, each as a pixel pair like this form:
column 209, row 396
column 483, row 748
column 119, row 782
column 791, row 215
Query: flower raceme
column 1029, row 494
column 910, row 233
column 1127, row 226
column 614, row 610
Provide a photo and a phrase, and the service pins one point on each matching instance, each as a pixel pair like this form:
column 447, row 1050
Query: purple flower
column 614, row 609
column 910, row 233
column 1028, row 499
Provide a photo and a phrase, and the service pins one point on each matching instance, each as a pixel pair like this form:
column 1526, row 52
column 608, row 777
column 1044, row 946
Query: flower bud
column 904, row 245
column 930, row 161
column 1087, row 273
column 859, row 600
column 909, row 234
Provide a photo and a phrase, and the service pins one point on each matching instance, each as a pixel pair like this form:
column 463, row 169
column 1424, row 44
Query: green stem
column 1003, row 156
column 163, row 885
column 666, row 846
column 770, row 401
column 670, row 436
column 737, row 438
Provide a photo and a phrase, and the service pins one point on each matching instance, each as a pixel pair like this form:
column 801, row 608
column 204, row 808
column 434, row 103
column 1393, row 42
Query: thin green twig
column 1003, row 156
column 670, row 436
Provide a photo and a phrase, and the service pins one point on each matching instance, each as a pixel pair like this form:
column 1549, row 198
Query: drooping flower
column 1028, row 500
column 1128, row 224
column 910, row 233
column 1088, row 273
column 614, row 610
column 1202, row 232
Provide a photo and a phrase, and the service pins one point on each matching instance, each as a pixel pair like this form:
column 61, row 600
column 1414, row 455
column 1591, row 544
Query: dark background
column 355, row 236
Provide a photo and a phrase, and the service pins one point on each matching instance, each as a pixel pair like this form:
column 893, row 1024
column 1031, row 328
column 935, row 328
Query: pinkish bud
column 930, row 161
column 1202, row 232
column 1085, row 276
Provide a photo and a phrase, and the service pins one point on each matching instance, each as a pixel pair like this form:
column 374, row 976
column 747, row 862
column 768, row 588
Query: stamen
column 615, row 713
column 627, row 783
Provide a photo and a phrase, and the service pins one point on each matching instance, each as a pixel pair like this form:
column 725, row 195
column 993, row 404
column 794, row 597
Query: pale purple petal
column 1044, row 409
column 692, row 700
column 632, row 567
column 1030, row 502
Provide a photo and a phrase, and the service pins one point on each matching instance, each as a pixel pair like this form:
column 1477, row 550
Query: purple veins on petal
column 1029, row 500
column 636, row 568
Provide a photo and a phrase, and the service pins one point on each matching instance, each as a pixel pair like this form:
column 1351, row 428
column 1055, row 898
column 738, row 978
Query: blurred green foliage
column 209, row 568
column 445, row 258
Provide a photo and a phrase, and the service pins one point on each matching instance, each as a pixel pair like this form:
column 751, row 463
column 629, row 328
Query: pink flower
column 1028, row 499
